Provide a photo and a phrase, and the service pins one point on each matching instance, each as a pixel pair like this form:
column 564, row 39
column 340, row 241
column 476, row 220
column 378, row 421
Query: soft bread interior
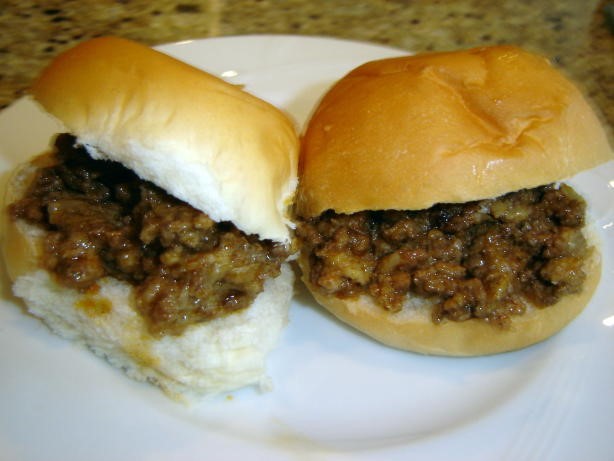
column 217, row 356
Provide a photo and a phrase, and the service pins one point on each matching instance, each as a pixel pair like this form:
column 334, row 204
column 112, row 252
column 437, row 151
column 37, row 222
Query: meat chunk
column 102, row 220
column 484, row 259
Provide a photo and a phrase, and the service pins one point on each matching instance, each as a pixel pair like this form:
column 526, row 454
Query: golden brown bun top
column 409, row 132
column 200, row 138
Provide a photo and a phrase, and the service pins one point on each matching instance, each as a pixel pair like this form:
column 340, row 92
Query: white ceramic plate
column 337, row 395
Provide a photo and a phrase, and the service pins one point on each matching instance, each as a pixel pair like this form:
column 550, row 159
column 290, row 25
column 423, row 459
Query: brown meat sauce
column 484, row 259
column 102, row 220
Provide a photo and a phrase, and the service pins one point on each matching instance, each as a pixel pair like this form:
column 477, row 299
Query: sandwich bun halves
column 157, row 231
column 432, row 216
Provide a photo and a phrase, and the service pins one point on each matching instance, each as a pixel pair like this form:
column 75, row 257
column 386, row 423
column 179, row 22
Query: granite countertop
column 577, row 35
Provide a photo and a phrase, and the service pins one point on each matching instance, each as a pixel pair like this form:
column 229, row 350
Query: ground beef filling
column 483, row 259
column 102, row 220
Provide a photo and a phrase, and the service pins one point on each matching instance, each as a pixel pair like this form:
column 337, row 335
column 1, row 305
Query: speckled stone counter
column 576, row 34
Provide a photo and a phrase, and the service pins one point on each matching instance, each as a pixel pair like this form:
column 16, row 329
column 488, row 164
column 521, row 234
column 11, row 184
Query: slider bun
column 208, row 358
column 406, row 133
column 203, row 140
column 412, row 328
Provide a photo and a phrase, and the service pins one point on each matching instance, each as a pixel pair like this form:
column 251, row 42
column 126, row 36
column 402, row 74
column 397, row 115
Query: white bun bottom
column 209, row 358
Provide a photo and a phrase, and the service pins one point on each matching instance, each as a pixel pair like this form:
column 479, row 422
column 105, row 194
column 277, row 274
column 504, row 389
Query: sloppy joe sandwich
column 156, row 230
column 432, row 210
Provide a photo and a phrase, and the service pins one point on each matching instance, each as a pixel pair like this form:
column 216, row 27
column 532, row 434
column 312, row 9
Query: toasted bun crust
column 203, row 140
column 209, row 358
column 413, row 330
column 406, row 133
